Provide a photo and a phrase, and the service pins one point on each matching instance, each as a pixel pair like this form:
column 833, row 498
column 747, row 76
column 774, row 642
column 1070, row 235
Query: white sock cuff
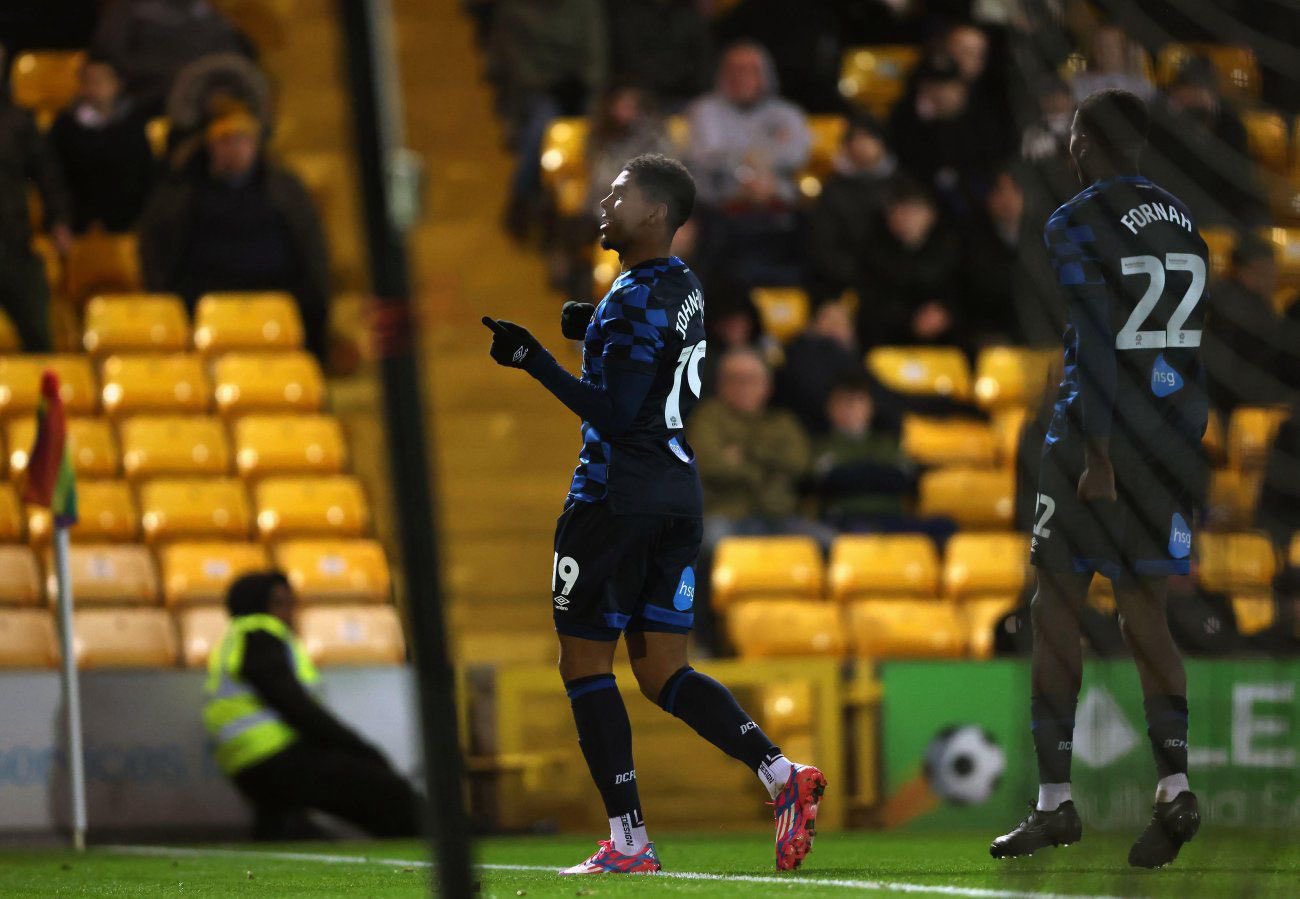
column 1050, row 796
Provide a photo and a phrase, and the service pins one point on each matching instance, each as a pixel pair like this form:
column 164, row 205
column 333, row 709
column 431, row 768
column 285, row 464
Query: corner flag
column 50, row 480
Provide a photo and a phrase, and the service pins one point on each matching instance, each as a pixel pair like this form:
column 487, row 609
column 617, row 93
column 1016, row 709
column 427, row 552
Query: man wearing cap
column 282, row 749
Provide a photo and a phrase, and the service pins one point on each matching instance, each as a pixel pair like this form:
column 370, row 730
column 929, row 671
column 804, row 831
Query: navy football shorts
column 615, row 573
column 1147, row 531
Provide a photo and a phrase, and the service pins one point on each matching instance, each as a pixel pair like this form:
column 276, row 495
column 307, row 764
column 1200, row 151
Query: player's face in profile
column 623, row 213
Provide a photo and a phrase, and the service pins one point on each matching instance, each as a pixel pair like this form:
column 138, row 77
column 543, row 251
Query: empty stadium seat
column 242, row 322
column 774, row 628
column 91, row 444
column 9, row 341
column 20, row 383
column 766, row 568
column 200, row 572
column 106, row 511
column 1253, row 613
column 1286, row 244
column 201, row 629
column 157, row 130
column 1220, row 242
column 1268, row 139
column 1250, row 434
column 928, row 370
column 977, row 564
column 1013, row 376
column 981, row 616
column 101, row 263
column 1007, row 425
column 27, row 639
column 972, row 497
column 782, row 310
column 948, row 441
column 827, row 134
column 45, row 81
column 194, row 508
column 256, row 382
column 906, row 628
column 182, row 445
column 169, row 383
column 874, row 565
column 1236, row 563
column 1232, row 498
column 106, row 574
column 289, row 444
column 124, row 638
column 1237, row 67
column 335, row 570
column 1214, row 440
column 352, row 635
column 1293, row 553
column 329, row 506
column 135, row 323
column 13, row 521
column 20, row 576
column 875, row 77
column 564, row 162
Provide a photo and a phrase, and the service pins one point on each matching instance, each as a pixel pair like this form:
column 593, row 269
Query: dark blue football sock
column 1167, row 730
column 713, row 713
column 1052, row 722
column 605, row 735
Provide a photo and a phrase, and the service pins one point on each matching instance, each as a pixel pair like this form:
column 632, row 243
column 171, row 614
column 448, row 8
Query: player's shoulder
column 656, row 284
column 1074, row 210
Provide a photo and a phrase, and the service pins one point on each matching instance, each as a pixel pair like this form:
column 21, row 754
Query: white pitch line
column 881, row 886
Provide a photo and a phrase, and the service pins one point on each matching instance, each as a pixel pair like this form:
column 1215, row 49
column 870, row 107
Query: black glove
column 574, row 318
column 512, row 345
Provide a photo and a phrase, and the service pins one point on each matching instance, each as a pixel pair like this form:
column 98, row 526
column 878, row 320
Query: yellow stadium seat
column 1013, row 376
column 766, row 568
column 1286, row 246
column 773, row 628
column 927, row 370
column 981, row 616
column 199, row 573
column 352, row 635
column 20, row 383
column 242, row 322
column 13, row 521
column 873, row 565
column 174, row 445
column 45, row 81
column 906, row 628
column 335, row 570
column 254, row 382
column 782, row 310
column 329, row 506
column 158, row 130
column 1284, row 204
column 1007, row 425
column 91, row 444
column 289, row 444
column 106, row 512
column 102, row 263
column 1232, row 497
column 1250, row 434
column 948, row 441
column 875, row 77
column 1267, row 137
column 124, row 638
column 972, row 497
column 1214, row 440
column 107, row 574
column 201, row 629
column 20, row 577
column 1220, row 242
column 135, row 323
column 194, row 508
column 1236, row 563
column 27, row 639
column 170, row 383
column 1293, row 554
column 9, row 342
column 976, row 564
column 564, row 162
column 1253, row 613
column 827, row 133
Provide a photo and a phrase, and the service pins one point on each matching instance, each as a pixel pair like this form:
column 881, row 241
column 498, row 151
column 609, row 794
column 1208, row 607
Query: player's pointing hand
column 512, row 345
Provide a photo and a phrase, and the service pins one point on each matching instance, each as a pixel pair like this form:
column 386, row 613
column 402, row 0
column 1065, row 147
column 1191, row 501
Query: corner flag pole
column 71, row 689
column 390, row 187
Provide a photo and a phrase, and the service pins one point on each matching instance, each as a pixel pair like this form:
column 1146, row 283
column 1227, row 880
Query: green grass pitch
column 1225, row 864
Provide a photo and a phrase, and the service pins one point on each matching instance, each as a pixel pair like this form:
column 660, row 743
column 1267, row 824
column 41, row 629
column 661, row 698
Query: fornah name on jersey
column 691, row 305
column 1149, row 213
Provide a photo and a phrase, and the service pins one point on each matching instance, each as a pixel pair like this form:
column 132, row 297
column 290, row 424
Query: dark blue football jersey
column 1133, row 267
column 652, row 320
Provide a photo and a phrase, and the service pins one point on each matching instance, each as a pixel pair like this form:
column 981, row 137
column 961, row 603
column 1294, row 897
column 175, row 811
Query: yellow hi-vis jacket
column 245, row 729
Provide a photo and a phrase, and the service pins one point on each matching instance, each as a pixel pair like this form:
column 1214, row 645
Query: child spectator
column 824, row 353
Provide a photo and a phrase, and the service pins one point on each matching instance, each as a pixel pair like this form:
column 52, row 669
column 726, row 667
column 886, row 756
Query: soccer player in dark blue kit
column 1123, row 471
column 627, row 541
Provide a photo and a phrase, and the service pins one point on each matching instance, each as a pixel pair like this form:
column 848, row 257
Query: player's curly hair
column 1116, row 120
column 665, row 180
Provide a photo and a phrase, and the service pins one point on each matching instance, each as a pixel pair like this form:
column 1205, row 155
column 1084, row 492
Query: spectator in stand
column 1045, row 150
column 1278, row 511
column 234, row 220
column 103, row 152
column 25, row 159
column 548, row 59
column 1248, row 350
column 1114, row 62
column 825, row 353
column 674, row 66
column 1200, row 154
column 910, row 275
column 746, row 147
column 971, row 51
column 150, row 41
column 805, row 42
column 733, row 327
column 207, row 85
column 843, row 220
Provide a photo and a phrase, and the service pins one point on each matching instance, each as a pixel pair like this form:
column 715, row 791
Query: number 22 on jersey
column 1130, row 337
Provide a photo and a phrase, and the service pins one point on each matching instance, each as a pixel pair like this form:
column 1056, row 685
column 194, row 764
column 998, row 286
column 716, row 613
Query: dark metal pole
column 390, row 196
